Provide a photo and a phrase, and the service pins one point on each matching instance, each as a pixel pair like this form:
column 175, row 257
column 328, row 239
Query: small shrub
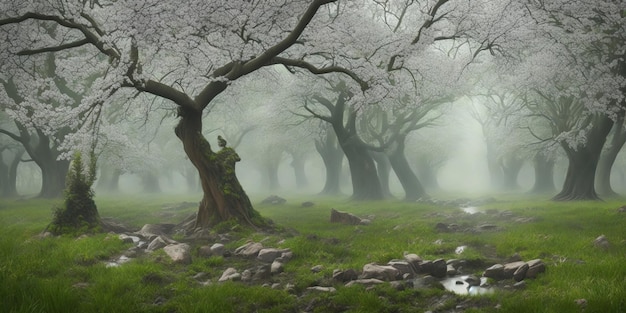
column 78, row 213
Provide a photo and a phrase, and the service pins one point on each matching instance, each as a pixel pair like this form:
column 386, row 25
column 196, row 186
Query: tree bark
column 544, row 174
column 608, row 157
column 511, row 167
column 413, row 189
column 224, row 198
column 583, row 160
column 383, row 167
column 150, row 182
column 298, row 163
column 332, row 156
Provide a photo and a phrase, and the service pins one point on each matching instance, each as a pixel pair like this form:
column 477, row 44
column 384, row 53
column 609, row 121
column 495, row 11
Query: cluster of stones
column 518, row 271
column 271, row 261
column 413, row 271
column 153, row 237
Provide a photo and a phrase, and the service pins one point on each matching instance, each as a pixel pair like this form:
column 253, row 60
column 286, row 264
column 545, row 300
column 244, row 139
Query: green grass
column 65, row 273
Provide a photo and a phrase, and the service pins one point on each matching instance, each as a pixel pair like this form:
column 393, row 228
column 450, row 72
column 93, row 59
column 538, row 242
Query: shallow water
column 472, row 210
column 458, row 285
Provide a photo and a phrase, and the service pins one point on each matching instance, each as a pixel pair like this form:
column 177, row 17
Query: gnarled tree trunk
column 224, row 198
column 413, row 189
column 332, row 156
column 383, row 167
column 544, row 174
column 608, row 157
column 583, row 160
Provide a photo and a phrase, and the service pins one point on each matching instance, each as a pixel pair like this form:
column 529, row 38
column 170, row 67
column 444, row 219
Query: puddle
column 460, row 249
column 460, row 286
column 472, row 210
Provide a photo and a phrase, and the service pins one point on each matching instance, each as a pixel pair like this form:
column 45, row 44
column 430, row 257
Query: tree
column 189, row 66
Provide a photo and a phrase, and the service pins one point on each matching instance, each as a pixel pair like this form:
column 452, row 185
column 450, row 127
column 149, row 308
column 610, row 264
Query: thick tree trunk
column 544, row 174
column 224, row 198
column 365, row 182
column 607, row 159
column 511, row 167
column 298, row 164
column 583, row 160
column 53, row 173
column 413, row 189
column 10, row 190
column 270, row 174
column 332, row 156
column 383, row 167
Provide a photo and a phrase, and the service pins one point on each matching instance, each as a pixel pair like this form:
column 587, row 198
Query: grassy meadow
column 69, row 274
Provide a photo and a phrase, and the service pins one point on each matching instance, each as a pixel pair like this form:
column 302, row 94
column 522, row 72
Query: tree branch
column 323, row 70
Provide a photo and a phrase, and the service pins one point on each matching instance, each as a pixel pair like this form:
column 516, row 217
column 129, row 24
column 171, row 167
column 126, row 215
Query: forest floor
column 57, row 274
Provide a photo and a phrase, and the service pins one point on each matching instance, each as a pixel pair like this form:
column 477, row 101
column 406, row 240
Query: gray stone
column 230, row 274
column 268, row 255
column 451, row 271
column 201, row 276
column 277, row 267
column 179, row 253
column 344, row 218
column 246, row 275
column 365, row 282
column 217, row 249
column 520, row 273
column 601, row 242
column 439, row 268
column 403, row 267
column 159, row 242
column 127, row 239
column 472, row 280
column 345, row 276
column 153, row 230
column 322, row 289
column 262, row 272
column 250, row 249
column 317, row 268
column 510, row 268
column 382, row 272
column 205, row 251
column 495, row 271
column 535, row 267
column 519, row 285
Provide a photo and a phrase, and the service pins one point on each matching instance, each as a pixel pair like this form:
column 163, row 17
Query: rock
column 412, row 258
column 345, row 276
column 268, row 255
column 365, row 221
column 365, row 281
column 127, row 239
column 439, row 268
column 344, row 218
column 450, row 271
column 472, row 280
column 205, row 251
column 443, row 227
column 307, row 204
column 496, row 272
column 277, row 267
column 534, row 268
column 179, row 253
column 510, row 268
column 230, row 274
column 622, row 209
column 515, row 258
column 424, row 267
column 520, row 273
column 275, row 286
column 154, row 230
column 317, row 268
column 217, row 249
column 286, row 255
column 250, row 249
column 322, row 289
column 246, row 275
column 601, row 242
column 519, row 285
column 385, row 273
column 290, row 288
column 398, row 285
column 582, row 303
column 273, row 200
column 262, row 272
column 405, row 268
column 159, row 242
column 200, row 276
